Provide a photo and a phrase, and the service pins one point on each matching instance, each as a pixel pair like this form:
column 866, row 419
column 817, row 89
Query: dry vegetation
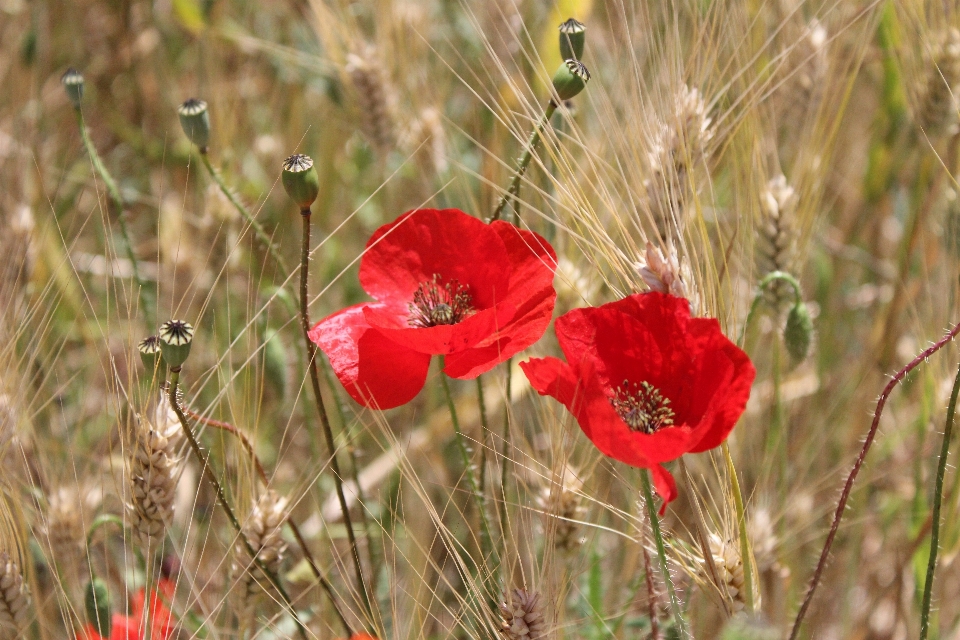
column 816, row 138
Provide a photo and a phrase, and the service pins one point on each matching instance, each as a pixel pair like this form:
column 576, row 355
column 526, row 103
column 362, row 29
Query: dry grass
column 694, row 111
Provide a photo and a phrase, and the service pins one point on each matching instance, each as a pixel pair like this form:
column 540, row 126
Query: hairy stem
column 524, row 161
column 224, row 503
column 258, row 229
column 935, row 514
column 116, row 200
column 262, row 474
column 662, row 553
column 322, row 412
column 848, row 486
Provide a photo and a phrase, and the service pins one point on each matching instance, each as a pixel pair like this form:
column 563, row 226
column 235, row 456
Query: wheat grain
column 522, row 616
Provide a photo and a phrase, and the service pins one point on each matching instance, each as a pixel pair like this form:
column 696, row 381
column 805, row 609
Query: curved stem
column 662, row 553
column 848, row 486
column 262, row 474
column 935, row 514
column 224, row 503
column 524, row 161
column 144, row 292
column 322, row 411
column 758, row 298
column 258, row 229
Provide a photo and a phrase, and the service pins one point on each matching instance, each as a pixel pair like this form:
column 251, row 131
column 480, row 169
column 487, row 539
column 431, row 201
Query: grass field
column 815, row 141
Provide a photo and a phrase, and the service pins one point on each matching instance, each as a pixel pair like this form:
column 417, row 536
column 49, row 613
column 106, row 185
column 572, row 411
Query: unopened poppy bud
column 152, row 357
column 176, row 337
column 570, row 79
column 798, row 332
column 72, row 82
column 301, row 181
column 96, row 601
column 573, row 35
column 195, row 121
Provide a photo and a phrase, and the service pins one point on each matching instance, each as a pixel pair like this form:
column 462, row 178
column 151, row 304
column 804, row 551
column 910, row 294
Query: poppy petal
column 374, row 370
column 665, row 485
column 404, row 254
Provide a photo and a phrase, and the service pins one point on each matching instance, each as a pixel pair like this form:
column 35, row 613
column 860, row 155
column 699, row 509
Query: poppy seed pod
column 96, row 601
column 798, row 332
column 195, row 121
column 570, row 79
column 573, row 35
column 176, row 336
column 301, row 181
column 72, row 82
column 152, row 357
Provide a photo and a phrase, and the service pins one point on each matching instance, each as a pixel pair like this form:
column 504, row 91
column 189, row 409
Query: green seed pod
column 798, row 332
column 152, row 357
column 72, row 82
column 570, row 79
column 301, row 181
column 176, row 337
column 97, row 603
column 573, row 35
column 195, row 121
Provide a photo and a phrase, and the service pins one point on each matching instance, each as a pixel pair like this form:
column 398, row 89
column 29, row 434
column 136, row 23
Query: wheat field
column 788, row 166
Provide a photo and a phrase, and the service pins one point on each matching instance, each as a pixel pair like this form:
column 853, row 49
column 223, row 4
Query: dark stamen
column 435, row 304
column 642, row 407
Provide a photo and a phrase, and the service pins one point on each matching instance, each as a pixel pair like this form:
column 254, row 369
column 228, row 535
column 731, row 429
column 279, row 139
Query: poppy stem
column 206, row 470
column 662, row 553
column 758, row 298
column 848, row 485
column 524, row 161
column 935, row 513
column 258, row 229
column 262, row 474
column 485, row 537
column 116, row 200
column 322, row 412
column 487, row 548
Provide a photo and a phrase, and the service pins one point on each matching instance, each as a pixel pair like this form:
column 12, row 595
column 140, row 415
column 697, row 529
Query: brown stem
column 262, row 474
column 848, row 486
column 322, row 412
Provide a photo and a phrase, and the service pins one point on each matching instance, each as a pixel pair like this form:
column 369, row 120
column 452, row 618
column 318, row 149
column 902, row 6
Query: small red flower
column 445, row 283
column 645, row 381
column 131, row 627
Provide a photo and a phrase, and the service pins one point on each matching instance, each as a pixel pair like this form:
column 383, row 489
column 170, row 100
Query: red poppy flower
column 645, row 381
column 131, row 627
column 445, row 283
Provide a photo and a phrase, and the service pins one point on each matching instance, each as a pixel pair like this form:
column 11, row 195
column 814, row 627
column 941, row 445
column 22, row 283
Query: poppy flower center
column 435, row 303
column 642, row 407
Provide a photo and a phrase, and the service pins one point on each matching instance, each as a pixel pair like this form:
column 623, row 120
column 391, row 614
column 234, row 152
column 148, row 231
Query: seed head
column 570, row 79
column 14, row 596
column 522, row 616
column 573, row 36
column 72, row 81
column 777, row 236
column 152, row 357
column 176, row 336
column 301, row 181
column 195, row 121
column 375, row 98
column 938, row 106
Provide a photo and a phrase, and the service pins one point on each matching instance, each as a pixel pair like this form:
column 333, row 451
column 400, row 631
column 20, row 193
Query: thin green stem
column 224, row 503
column 742, row 527
column 505, row 461
column 662, row 553
column 935, row 515
column 113, row 192
column 487, row 550
column 524, row 161
column 258, row 229
column 322, row 412
column 485, row 538
column 101, row 521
